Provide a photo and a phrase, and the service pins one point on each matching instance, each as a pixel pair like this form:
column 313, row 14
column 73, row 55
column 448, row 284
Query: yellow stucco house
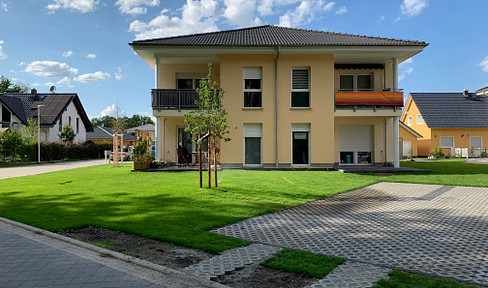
column 297, row 97
column 408, row 141
column 456, row 122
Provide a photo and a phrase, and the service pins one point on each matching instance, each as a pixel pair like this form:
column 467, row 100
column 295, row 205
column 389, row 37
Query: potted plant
column 142, row 155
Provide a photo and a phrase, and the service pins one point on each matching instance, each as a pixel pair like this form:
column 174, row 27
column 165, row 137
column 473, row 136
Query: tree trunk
column 208, row 162
column 215, row 160
column 200, row 162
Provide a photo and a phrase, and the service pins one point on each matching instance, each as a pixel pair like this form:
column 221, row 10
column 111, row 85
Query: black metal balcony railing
column 174, row 99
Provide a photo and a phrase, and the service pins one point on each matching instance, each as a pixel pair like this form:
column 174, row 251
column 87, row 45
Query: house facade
column 448, row 120
column 408, row 141
column 104, row 135
column 56, row 111
column 297, row 97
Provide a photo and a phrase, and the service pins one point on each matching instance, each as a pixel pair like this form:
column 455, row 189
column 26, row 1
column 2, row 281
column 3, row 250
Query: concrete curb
column 129, row 259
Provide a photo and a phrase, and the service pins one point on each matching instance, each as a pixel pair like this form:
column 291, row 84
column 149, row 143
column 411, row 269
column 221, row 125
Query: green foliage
column 437, row 153
column 211, row 118
column 125, row 122
column 314, row 265
column 7, row 86
column 29, row 132
column 11, row 142
column 67, row 134
column 142, row 150
column 399, row 279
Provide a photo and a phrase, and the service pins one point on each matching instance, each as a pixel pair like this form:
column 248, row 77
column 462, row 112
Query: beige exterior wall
column 324, row 79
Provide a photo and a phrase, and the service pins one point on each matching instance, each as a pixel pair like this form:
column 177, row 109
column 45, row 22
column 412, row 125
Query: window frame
column 244, row 90
column 77, row 125
column 420, row 119
column 252, row 133
column 445, row 137
column 409, row 120
column 309, row 84
column 355, row 82
column 60, row 128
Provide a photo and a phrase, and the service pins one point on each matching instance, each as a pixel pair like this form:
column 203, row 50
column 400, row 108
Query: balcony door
column 188, row 80
column 300, row 137
column 185, row 143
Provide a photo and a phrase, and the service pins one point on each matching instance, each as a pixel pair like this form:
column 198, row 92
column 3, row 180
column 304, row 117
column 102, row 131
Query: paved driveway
column 19, row 171
column 429, row 229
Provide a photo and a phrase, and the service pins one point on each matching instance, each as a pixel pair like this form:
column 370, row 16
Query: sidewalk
column 19, row 171
column 31, row 257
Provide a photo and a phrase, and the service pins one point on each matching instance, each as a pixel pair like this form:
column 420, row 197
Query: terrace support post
column 395, row 74
column 214, row 148
column 200, row 161
column 159, row 128
column 209, row 150
column 396, row 142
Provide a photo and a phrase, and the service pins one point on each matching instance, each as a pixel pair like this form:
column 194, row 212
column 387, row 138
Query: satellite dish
column 52, row 89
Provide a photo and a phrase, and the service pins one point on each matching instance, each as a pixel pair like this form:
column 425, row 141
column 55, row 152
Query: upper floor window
column 356, row 82
column 185, row 84
column 69, row 120
column 420, row 120
column 252, row 87
column 77, row 125
column 300, row 87
column 409, row 121
column 60, row 124
column 188, row 80
column 6, row 115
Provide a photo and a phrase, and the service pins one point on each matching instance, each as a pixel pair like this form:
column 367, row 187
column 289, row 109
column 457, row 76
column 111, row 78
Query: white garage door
column 356, row 138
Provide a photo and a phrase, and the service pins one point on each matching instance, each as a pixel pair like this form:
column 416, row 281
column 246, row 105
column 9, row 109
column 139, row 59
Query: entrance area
column 300, row 148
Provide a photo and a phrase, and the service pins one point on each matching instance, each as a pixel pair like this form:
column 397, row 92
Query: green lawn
column 399, row 279
column 445, row 172
column 167, row 206
column 314, row 265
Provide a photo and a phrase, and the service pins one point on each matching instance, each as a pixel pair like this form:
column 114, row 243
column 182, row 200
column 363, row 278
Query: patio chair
column 182, row 160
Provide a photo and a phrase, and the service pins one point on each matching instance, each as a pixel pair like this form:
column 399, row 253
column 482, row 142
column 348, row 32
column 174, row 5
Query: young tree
column 67, row 134
column 210, row 121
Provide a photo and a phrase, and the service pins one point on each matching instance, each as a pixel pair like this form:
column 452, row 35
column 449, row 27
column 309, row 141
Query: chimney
column 33, row 91
column 465, row 92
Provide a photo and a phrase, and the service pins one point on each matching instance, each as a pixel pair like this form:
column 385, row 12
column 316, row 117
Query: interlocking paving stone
column 430, row 229
column 231, row 260
column 353, row 275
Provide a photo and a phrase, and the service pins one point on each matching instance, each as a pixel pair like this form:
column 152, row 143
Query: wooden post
column 209, row 143
column 215, row 161
column 200, row 161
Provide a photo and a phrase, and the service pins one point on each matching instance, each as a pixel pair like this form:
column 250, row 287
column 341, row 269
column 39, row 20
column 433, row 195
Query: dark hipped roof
column 54, row 105
column 15, row 106
column 106, row 133
column 272, row 36
column 452, row 110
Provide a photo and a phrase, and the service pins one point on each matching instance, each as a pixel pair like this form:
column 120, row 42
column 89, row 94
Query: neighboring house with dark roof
column 408, row 141
column 57, row 111
column 145, row 127
column 297, row 97
column 482, row 91
column 448, row 120
column 104, row 135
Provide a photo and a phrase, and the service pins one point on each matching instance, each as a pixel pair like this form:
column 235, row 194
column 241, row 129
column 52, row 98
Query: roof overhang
column 342, row 54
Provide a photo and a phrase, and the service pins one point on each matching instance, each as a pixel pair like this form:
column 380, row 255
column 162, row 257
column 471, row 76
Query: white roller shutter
column 252, row 130
column 356, row 138
column 252, row 73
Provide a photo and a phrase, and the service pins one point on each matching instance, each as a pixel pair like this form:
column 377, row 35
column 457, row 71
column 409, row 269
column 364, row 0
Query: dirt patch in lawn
column 179, row 257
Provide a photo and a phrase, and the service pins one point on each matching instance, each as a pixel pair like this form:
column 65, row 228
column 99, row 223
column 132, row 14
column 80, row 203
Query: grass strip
column 314, row 265
column 400, row 279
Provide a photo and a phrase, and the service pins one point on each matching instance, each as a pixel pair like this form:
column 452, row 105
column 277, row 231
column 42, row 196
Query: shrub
column 437, row 153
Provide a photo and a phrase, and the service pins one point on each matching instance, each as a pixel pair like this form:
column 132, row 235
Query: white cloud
column 241, row 13
column 268, row 7
column 50, row 69
column 2, row 54
column 305, row 12
column 341, row 10
column 82, row 6
column 91, row 56
column 412, row 8
column 67, row 54
column 484, row 64
column 66, row 82
column 381, row 19
column 197, row 16
column 408, row 61
column 111, row 111
column 404, row 74
column 98, row 76
column 147, row 114
column 118, row 74
column 4, row 7
column 135, row 7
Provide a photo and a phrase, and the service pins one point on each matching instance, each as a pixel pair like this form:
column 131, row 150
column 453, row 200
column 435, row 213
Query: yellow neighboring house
column 297, row 97
column 408, row 141
column 456, row 122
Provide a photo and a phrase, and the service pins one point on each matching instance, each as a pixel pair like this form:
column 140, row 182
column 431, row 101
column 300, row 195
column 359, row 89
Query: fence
column 469, row 152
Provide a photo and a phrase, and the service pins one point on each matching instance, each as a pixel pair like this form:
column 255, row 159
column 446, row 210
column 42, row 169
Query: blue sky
column 82, row 45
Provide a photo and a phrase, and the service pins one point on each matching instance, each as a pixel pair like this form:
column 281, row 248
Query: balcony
column 369, row 98
column 174, row 99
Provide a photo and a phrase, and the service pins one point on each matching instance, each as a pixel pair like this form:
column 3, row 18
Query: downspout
column 276, row 103
column 386, row 143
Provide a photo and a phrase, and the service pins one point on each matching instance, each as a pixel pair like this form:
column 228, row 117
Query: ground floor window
column 447, row 142
column 353, row 157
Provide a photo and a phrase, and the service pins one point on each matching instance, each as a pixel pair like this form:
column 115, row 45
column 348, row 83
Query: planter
column 141, row 165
